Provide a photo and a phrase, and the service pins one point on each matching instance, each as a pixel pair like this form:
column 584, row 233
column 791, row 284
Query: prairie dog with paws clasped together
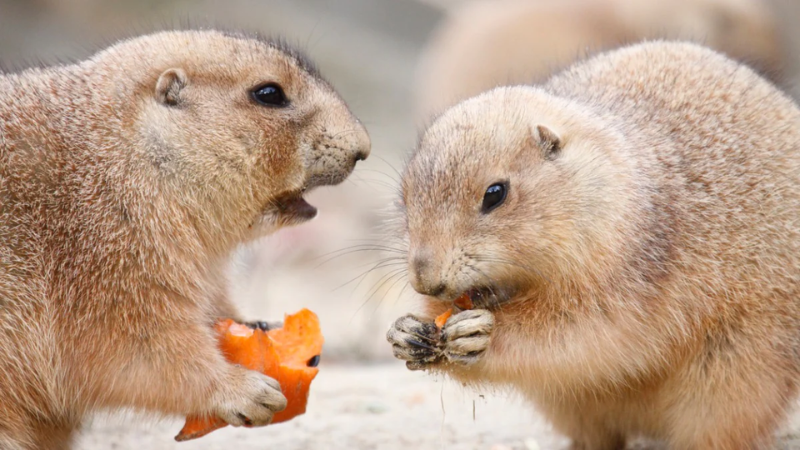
column 126, row 181
column 630, row 235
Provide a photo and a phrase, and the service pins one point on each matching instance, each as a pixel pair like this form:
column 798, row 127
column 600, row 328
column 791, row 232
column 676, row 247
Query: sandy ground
column 382, row 407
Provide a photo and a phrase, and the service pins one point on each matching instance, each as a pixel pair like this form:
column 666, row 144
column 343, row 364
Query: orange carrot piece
column 289, row 354
column 441, row 319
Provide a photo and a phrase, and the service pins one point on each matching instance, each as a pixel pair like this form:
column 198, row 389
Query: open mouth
column 293, row 204
column 484, row 297
column 289, row 208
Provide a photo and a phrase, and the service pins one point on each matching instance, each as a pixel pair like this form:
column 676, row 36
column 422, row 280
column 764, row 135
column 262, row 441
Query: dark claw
column 244, row 419
column 269, row 407
column 420, row 344
column 418, row 353
column 427, row 331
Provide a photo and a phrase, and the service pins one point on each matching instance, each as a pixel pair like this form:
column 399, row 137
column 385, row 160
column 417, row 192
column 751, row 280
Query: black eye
column 314, row 361
column 270, row 95
column 495, row 196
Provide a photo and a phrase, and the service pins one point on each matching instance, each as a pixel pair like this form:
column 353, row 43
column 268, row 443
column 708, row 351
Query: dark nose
column 361, row 155
column 423, row 279
column 361, row 143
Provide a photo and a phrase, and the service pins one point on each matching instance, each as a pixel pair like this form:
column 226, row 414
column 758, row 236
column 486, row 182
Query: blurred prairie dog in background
column 486, row 43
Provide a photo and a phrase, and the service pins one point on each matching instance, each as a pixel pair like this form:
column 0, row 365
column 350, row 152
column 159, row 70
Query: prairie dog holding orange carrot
column 629, row 234
column 126, row 180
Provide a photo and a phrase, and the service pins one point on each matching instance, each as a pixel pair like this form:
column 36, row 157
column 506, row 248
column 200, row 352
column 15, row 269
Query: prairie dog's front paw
column 465, row 336
column 414, row 341
column 250, row 399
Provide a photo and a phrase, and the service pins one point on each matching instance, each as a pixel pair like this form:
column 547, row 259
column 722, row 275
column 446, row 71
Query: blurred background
column 397, row 63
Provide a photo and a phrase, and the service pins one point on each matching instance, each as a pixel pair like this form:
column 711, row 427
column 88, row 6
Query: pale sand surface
column 380, row 406
column 364, row 407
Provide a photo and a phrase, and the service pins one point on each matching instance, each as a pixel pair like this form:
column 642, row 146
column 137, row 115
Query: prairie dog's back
column 707, row 130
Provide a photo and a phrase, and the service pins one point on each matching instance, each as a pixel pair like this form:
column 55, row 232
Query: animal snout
column 334, row 155
column 362, row 144
column 424, row 276
column 361, row 155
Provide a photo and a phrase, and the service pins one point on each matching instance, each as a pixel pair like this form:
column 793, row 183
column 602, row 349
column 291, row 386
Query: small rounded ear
column 548, row 141
column 169, row 86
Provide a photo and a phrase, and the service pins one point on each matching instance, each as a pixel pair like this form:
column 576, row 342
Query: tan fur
column 648, row 276
column 125, row 182
column 487, row 43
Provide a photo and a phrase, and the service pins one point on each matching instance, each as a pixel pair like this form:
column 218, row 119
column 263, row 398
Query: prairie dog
column 487, row 43
column 126, row 180
column 629, row 234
